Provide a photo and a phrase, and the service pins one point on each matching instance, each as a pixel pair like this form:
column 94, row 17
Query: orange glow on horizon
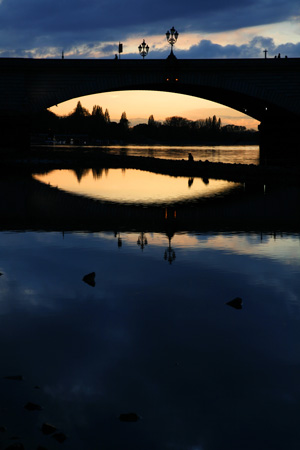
column 139, row 105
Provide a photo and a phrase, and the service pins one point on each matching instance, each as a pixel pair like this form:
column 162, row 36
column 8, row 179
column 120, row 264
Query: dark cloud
column 28, row 25
column 253, row 49
column 207, row 49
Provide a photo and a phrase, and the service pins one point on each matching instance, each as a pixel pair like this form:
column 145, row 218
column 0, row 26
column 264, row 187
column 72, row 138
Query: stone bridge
column 265, row 89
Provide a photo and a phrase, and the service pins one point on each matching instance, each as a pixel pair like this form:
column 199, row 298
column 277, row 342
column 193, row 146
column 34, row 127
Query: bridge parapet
column 265, row 89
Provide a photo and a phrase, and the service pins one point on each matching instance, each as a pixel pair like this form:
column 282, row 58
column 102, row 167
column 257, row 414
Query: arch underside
column 252, row 106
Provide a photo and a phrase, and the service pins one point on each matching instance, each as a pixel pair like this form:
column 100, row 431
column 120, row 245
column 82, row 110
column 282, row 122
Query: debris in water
column 90, row 279
column 16, row 446
column 14, row 377
column 129, row 417
column 60, row 437
column 32, row 407
column 47, row 428
column 235, row 303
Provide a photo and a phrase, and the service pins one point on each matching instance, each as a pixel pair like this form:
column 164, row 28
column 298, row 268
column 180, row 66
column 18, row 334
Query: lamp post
column 172, row 36
column 169, row 254
column 142, row 240
column 143, row 49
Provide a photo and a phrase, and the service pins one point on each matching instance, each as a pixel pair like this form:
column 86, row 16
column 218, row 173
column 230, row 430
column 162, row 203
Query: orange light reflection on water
column 134, row 186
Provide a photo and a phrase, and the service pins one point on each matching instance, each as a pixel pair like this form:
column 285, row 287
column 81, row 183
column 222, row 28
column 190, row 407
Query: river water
column 151, row 352
column 232, row 154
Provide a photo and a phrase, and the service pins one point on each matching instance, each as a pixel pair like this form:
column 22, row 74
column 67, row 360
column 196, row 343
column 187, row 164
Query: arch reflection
column 134, row 186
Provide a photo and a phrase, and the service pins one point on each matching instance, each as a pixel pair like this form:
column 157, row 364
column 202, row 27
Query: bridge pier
column 15, row 132
column 280, row 142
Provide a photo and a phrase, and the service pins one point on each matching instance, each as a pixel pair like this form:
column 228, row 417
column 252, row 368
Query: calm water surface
column 239, row 154
column 154, row 336
column 135, row 186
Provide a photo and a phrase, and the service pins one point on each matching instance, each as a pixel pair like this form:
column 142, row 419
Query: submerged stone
column 90, row 279
column 32, row 407
column 47, row 428
column 15, row 446
column 14, row 377
column 129, row 417
column 60, row 437
column 235, row 303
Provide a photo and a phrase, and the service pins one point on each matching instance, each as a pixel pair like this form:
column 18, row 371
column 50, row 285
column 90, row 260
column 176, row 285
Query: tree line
column 97, row 127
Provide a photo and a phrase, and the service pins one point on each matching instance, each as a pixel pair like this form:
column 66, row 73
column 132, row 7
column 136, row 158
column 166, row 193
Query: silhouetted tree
column 80, row 111
column 98, row 125
column 98, row 111
column 151, row 121
column 177, row 122
column 124, row 122
column 45, row 122
column 213, row 123
column 233, row 128
column 174, row 129
column 107, row 116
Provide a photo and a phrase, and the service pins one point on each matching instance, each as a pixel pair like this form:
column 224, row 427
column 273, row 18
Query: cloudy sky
column 93, row 28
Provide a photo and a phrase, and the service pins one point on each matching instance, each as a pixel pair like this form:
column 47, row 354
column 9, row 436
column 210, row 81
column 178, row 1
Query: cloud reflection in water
column 151, row 338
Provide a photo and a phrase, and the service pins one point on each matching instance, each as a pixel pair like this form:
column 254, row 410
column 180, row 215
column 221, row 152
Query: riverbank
column 43, row 159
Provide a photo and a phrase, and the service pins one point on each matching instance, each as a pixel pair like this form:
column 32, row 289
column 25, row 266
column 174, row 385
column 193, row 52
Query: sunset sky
column 93, row 29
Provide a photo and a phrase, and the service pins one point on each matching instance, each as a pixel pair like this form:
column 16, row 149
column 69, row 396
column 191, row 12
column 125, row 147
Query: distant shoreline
column 41, row 160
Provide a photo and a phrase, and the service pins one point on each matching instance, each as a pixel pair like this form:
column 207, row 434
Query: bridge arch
column 160, row 103
column 265, row 89
column 248, row 86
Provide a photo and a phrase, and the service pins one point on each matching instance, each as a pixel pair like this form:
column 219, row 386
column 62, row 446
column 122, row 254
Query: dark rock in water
column 47, row 428
column 14, row 377
column 60, row 437
column 90, row 279
column 32, row 407
column 15, row 446
column 129, row 417
column 235, row 303
column 2, row 429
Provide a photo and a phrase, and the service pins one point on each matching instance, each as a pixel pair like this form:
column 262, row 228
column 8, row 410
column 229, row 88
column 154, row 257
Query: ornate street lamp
column 172, row 37
column 169, row 254
column 117, row 234
column 143, row 49
column 142, row 240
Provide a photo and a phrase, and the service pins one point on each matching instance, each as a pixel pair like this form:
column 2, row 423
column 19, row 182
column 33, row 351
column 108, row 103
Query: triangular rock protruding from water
column 90, row 279
column 235, row 303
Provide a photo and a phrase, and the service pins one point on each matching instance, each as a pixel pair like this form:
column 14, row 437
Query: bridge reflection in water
column 132, row 186
column 155, row 336
column 31, row 204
